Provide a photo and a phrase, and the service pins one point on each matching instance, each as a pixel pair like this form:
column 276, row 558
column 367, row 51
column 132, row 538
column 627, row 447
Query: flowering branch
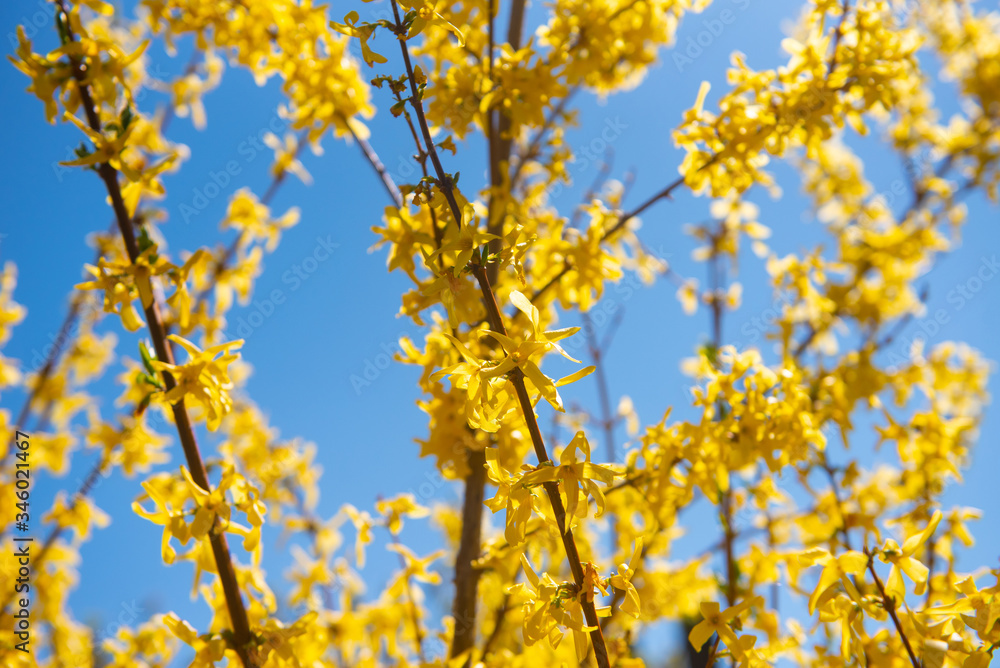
column 890, row 607
column 157, row 331
column 516, row 376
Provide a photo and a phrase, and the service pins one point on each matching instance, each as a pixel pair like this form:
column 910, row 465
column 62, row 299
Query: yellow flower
column 145, row 183
column 448, row 288
column 538, row 342
column 285, row 159
column 189, row 89
column 213, row 505
column 362, row 522
column 363, row 32
column 169, row 512
column 182, row 301
column 414, row 568
column 623, row 580
column 403, row 505
column 486, row 400
column 574, row 475
column 209, row 649
column 253, row 219
column 106, row 149
column 717, row 621
column 277, row 637
column 835, row 569
column 405, row 232
column 547, row 606
column 135, row 446
column 47, row 74
column 902, row 560
column 512, row 494
column 462, row 241
column 123, row 281
column 688, row 296
column 79, row 514
column 203, row 378
column 425, row 15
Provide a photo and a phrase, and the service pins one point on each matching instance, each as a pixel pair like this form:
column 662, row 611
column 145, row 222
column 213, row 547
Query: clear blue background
column 340, row 320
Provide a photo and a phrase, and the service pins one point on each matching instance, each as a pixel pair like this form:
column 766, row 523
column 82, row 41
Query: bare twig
column 372, row 157
column 607, row 419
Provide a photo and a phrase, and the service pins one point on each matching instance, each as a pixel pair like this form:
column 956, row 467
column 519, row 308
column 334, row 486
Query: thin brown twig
column 498, row 619
column 710, row 661
column 372, row 157
column 69, row 322
column 838, row 35
column 88, row 483
column 418, row 632
column 46, row 371
column 717, row 279
column 551, row 488
column 890, row 607
column 835, row 487
column 604, row 397
column 224, row 565
column 623, row 220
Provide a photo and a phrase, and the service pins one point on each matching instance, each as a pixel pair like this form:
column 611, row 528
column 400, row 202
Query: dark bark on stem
column 551, row 488
column 517, row 379
column 220, row 547
column 466, row 575
column 890, row 607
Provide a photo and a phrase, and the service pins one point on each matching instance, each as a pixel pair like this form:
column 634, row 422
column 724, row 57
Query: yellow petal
column 700, row 634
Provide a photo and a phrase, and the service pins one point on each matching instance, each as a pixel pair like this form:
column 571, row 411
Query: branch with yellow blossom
column 516, row 375
column 890, row 607
column 64, row 336
column 61, row 340
column 222, row 264
column 78, row 497
column 720, row 623
column 108, row 174
column 716, row 276
column 623, row 220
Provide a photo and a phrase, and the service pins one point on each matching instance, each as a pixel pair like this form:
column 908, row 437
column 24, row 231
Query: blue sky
column 336, row 324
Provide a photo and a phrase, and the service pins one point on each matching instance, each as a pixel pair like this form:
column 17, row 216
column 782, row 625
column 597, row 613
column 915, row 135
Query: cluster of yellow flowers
column 866, row 552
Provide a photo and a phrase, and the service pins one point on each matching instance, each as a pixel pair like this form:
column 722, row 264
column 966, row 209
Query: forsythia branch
column 890, row 607
column 517, row 379
column 185, row 430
